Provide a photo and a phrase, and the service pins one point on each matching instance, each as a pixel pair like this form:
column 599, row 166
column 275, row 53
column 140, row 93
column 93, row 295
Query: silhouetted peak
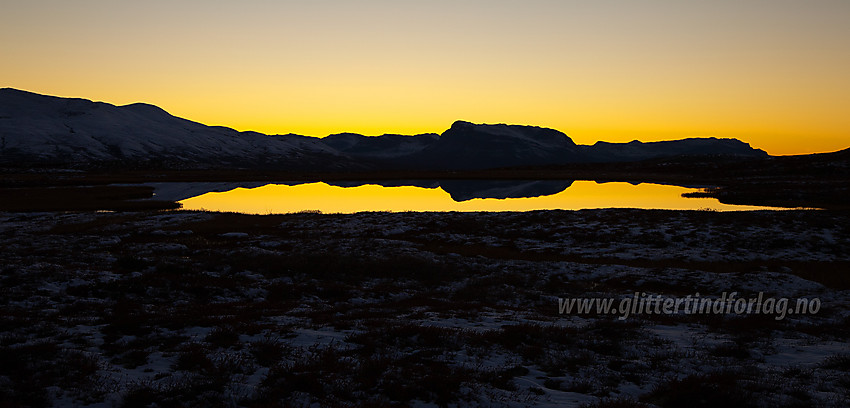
column 145, row 108
column 501, row 131
column 459, row 124
column 345, row 134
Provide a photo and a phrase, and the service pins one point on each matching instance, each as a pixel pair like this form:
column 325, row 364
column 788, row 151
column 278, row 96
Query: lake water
column 451, row 195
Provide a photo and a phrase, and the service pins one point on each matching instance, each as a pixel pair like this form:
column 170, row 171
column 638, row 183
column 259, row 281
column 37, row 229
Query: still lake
column 446, row 195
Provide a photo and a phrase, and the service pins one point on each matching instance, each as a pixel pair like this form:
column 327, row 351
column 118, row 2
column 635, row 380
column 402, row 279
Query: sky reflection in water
column 454, row 195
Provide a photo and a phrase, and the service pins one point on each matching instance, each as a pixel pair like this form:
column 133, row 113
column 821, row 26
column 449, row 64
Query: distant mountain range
column 40, row 130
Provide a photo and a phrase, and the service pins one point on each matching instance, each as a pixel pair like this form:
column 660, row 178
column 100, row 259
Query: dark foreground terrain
column 179, row 308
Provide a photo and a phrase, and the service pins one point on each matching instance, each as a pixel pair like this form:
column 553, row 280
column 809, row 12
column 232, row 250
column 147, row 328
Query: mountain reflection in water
column 464, row 190
column 431, row 195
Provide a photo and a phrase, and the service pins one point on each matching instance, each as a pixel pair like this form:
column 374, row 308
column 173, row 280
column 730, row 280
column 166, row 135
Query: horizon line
column 410, row 135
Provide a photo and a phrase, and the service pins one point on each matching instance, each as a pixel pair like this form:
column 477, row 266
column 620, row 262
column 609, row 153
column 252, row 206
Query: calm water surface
column 453, row 195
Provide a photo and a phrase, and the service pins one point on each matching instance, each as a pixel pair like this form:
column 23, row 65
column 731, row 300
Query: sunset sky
column 773, row 73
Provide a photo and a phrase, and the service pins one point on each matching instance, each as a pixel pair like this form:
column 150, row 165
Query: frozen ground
column 418, row 309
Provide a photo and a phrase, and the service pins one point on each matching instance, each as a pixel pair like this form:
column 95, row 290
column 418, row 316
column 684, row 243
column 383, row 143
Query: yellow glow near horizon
column 772, row 73
column 280, row 199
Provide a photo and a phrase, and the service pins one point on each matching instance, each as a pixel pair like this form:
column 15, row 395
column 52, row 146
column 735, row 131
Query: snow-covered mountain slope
column 38, row 128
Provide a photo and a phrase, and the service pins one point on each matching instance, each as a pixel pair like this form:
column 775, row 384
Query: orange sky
column 773, row 73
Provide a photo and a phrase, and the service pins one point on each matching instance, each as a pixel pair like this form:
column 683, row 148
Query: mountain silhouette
column 470, row 146
column 52, row 131
column 65, row 131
